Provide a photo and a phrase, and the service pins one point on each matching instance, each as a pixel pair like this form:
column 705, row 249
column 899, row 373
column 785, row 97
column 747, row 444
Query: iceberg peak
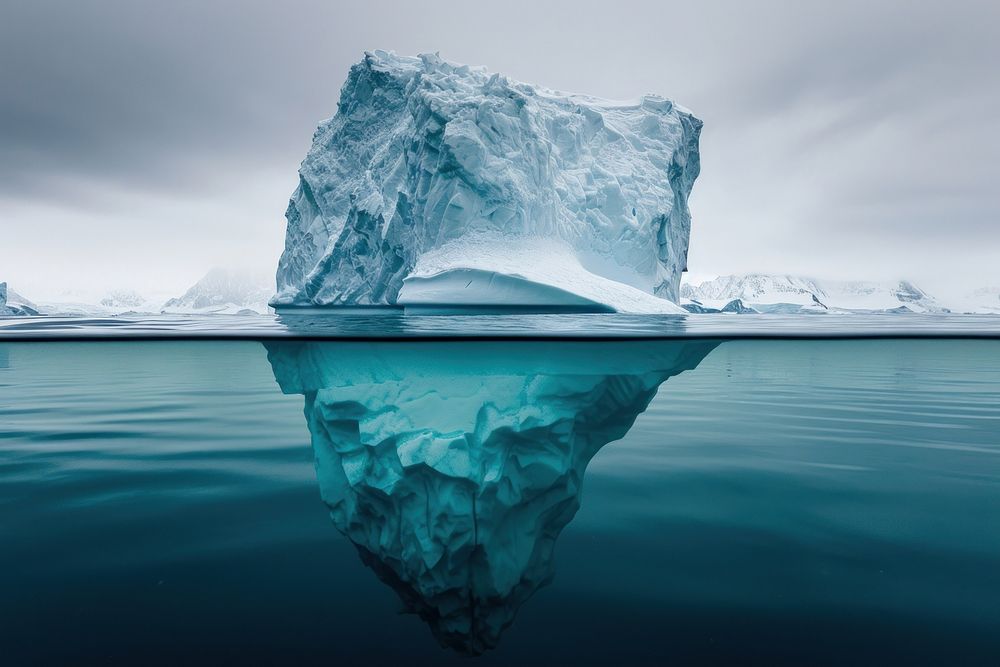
column 444, row 184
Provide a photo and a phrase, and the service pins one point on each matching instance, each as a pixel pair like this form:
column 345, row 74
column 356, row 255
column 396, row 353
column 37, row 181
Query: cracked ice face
column 453, row 467
column 438, row 184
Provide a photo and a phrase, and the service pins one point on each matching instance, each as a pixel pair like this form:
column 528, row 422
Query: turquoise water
column 529, row 502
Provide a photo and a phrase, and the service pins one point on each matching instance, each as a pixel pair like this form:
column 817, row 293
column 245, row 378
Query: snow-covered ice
column 444, row 184
column 453, row 275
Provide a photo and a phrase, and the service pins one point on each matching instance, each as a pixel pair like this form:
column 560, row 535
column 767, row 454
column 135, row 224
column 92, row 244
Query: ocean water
column 302, row 499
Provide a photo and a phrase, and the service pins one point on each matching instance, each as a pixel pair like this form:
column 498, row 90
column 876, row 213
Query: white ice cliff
column 443, row 184
column 453, row 470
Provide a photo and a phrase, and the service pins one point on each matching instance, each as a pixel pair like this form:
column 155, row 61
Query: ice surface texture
column 442, row 183
column 454, row 471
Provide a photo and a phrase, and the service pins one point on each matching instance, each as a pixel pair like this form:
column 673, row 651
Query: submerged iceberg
column 453, row 471
column 439, row 184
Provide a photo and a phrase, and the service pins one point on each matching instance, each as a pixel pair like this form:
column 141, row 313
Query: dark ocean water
column 528, row 502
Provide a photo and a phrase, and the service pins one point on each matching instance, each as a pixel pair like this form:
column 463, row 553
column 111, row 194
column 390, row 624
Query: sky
column 143, row 143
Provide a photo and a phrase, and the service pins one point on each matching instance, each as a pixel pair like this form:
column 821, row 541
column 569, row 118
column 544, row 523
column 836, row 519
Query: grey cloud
column 827, row 125
column 144, row 93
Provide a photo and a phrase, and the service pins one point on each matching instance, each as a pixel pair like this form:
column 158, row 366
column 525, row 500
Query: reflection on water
column 453, row 474
column 592, row 327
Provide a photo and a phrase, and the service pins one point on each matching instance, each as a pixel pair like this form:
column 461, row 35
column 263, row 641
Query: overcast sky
column 142, row 143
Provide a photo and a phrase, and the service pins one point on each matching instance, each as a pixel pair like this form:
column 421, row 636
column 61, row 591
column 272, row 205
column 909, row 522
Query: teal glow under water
column 781, row 501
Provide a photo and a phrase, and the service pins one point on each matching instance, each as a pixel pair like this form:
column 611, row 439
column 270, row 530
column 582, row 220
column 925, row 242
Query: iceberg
column 453, row 469
column 14, row 305
column 443, row 185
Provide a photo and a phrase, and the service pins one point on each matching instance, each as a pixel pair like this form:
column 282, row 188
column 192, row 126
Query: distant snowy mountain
column 125, row 300
column 221, row 291
column 985, row 300
column 797, row 294
column 81, row 304
column 73, row 309
column 226, row 292
column 13, row 304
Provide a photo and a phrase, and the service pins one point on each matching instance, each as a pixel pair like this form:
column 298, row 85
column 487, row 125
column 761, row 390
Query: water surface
column 401, row 327
column 523, row 502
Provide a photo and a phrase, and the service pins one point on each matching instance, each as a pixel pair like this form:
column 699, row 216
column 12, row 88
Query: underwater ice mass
column 439, row 184
column 453, row 475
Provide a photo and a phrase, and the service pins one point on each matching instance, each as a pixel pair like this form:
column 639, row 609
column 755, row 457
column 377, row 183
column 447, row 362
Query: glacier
column 439, row 184
column 453, row 470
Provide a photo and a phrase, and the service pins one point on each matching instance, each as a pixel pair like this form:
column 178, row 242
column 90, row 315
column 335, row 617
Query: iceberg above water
column 14, row 305
column 453, row 471
column 438, row 184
